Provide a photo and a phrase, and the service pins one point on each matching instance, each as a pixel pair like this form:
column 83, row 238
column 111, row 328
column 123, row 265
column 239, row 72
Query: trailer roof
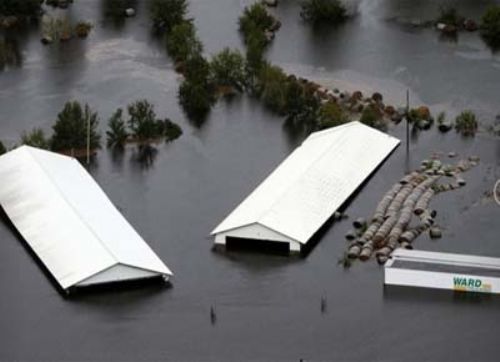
column 299, row 196
column 401, row 257
column 68, row 221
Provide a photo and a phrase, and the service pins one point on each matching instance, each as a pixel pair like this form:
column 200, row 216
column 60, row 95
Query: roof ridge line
column 72, row 206
column 277, row 199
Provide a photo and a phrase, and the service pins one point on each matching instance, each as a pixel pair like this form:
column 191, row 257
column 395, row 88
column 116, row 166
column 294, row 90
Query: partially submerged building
column 304, row 191
column 69, row 222
column 457, row 272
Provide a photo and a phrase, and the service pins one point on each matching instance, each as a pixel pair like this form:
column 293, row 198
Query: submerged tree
column 196, row 93
column 35, row 138
column 142, row 121
column 490, row 26
column 331, row 115
column 117, row 134
column 73, row 125
column 255, row 19
column 323, row 11
column 228, row 69
column 171, row 130
column 182, row 43
column 273, row 84
column 2, row 148
column 165, row 14
column 449, row 15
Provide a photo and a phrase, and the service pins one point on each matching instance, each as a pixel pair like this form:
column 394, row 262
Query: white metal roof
column 299, row 196
column 67, row 219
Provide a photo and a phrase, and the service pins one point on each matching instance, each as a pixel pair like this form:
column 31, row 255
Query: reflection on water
column 144, row 155
column 10, row 55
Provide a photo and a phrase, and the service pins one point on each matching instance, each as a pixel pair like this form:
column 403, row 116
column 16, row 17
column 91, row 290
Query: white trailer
column 457, row 272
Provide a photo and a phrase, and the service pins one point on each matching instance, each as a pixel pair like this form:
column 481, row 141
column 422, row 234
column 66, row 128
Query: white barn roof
column 69, row 222
column 299, row 196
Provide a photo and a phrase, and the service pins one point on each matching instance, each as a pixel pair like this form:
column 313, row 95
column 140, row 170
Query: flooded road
column 268, row 307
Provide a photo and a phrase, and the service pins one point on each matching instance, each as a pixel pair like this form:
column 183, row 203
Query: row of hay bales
column 391, row 225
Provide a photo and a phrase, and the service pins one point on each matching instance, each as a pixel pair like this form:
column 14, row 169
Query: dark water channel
column 268, row 307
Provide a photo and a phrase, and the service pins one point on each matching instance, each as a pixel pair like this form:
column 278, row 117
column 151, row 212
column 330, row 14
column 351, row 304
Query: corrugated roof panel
column 314, row 181
column 66, row 218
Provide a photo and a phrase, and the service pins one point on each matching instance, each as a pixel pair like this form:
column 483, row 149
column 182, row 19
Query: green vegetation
column 20, row 8
column 182, row 42
column 165, row 14
column 331, row 115
column 71, row 127
column 256, row 20
column 449, row 15
column 171, row 130
column 2, row 148
column 371, row 116
column 273, row 83
column 323, row 11
column 490, row 26
column 302, row 105
column 257, row 27
column 142, row 122
column 35, row 138
column 117, row 134
column 197, row 91
column 228, row 69
column 466, row 123
column 143, row 126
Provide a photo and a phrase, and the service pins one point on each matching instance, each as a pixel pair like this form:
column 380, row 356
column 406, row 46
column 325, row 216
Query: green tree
column 70, row 129
column 369, row 116
column 182, row 42
column 228, row 69
column 165, row 14
column 323, row 11
column 331, row 115
column 273, row 84
column 35, row 138
column 117, row 134
column 255, row 18
column 171, row 130
column 302, row 105
column 196, row 99
column 142, row 121
column 196, row 93
column 490, row 26
column 2, row 148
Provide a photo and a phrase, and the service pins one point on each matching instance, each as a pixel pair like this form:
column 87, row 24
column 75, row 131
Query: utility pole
column 407, row 130
column 88, row 140
column 407, row 122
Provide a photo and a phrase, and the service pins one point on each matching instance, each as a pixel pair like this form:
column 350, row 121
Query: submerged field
column 268, row 307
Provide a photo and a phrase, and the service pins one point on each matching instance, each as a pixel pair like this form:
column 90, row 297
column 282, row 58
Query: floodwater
column 267, row 307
